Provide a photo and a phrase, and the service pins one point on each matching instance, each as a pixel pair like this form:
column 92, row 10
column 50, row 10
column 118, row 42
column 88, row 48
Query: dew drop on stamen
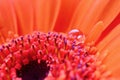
column 77, row 35
column 75, row 32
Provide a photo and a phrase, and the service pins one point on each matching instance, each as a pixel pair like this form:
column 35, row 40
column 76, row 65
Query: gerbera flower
column 59, row 39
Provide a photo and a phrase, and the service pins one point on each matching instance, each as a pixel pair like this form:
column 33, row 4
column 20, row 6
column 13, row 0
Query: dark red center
column 33, row 71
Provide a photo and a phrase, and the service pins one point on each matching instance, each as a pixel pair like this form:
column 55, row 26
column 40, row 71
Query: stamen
column 41, row 55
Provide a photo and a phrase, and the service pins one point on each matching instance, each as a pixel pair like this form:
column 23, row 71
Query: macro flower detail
column 52, row 55
column 59, row 40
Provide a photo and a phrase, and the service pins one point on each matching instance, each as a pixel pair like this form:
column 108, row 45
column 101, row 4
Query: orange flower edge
column 59, row 56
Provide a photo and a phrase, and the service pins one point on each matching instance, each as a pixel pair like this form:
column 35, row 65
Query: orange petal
column 24, row 15
column 66, row 12
column 46, row 12
column 109, row 37
column 80, row 13
column 110, row 12
column 87, row 14
column 7, row 18
column 111, row 26
column 2, row 39
column 113, row 58
column 95, row 32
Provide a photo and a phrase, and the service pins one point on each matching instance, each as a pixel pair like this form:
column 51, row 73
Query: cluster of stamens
column 65, row 54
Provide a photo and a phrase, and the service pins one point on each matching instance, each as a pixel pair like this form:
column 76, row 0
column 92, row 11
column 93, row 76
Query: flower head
column 53, row 52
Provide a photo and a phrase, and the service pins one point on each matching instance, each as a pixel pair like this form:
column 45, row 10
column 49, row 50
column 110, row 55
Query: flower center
column 33, row 71
column 51, row 56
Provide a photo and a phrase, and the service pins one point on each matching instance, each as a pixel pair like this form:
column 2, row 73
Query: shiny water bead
column 75, row 32
column 77, row 35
